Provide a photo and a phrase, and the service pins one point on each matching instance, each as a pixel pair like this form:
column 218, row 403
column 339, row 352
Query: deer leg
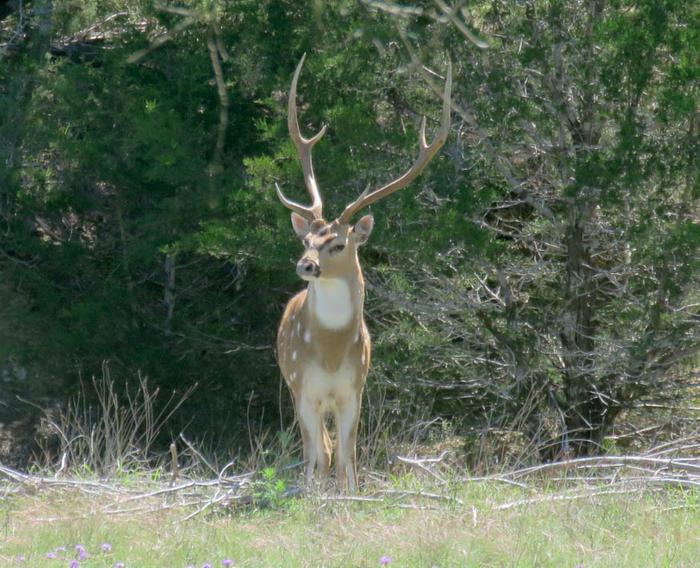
column 305, row 442
column 316, row 440
column 346, row 419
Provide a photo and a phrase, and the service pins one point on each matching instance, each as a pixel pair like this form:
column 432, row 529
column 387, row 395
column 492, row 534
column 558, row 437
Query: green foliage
column 270, row 490
column 128, row 235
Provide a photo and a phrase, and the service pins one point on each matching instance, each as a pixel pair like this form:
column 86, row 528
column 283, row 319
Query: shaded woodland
column 535, row 293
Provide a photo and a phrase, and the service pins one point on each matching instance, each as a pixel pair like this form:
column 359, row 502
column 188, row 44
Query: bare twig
column 197, row 453
column 160, row 40
column 84, row 33
column 555, row 498
column 215, row 46
column 610, row 461
column 174, row 465
column 451, row 14
column 402, row 493
column 420, row 465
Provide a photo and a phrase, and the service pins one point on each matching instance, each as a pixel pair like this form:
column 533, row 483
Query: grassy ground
column 471, row 528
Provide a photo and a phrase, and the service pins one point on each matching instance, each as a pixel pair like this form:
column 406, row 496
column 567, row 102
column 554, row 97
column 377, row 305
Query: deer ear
column 363, row 229
column 301, row 225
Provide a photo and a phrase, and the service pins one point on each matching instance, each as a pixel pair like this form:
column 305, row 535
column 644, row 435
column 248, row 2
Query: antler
column 425, row 155
column 304, row 147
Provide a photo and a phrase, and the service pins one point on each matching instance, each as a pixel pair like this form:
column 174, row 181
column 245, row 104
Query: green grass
column 634, row 529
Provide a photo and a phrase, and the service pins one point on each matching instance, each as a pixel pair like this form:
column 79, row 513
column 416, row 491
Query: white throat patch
column 332, row 302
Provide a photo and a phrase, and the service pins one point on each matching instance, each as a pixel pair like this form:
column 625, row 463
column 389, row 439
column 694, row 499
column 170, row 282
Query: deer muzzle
column 308, row 269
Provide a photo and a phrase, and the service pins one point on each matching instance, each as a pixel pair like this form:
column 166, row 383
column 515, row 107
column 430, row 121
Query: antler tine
column 425, row 155
column 304, row 147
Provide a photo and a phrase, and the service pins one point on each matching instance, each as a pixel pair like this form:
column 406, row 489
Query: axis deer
column 323, row 345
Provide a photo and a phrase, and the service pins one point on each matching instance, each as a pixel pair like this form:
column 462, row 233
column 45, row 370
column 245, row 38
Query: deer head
column 330, row 247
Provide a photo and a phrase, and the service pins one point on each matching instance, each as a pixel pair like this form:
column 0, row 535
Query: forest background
column 534, row 294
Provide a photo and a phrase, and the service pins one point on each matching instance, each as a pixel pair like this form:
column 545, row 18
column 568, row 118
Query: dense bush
column 540, row 278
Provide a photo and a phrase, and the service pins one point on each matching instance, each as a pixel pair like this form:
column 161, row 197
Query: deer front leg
column 315, row 439
column 347, row 419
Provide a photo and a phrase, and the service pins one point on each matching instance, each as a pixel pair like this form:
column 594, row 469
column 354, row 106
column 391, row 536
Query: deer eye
column 335, row 249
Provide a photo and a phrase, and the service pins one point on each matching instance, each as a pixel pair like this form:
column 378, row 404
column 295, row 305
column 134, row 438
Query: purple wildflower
column 79, row 548
column 227, row 562
column 51, row 555
column 106, row 547
column 74, row 564
column 83, row 555
column 206, row 565
column 384, row 560
column 21, row 559
column 119, row 565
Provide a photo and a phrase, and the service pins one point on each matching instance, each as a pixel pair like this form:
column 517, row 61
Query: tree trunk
column 582, row 409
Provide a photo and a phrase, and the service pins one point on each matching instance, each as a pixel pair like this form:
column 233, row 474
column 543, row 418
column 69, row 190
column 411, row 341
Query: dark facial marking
column 326, row 241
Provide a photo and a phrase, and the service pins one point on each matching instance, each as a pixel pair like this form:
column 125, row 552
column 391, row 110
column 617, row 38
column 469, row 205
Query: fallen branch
column 401, row 493
column 554, row 498
column 592, row 476
column 420, row 465
column 613, row 461
column 496, row 478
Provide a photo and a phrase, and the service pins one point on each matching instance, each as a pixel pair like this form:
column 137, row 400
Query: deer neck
column 336, row 303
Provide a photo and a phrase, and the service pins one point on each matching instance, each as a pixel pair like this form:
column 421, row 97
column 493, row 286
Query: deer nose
column 308, row 269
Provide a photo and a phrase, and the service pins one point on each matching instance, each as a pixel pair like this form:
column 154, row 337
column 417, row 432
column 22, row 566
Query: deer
column 323, row 344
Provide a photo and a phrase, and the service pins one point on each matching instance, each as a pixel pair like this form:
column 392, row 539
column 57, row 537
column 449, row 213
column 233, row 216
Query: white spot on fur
column 307, row 336
column 294, row 355
column 363, row 358
column 293, row 376
column 332, row 302
column 299, row 327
